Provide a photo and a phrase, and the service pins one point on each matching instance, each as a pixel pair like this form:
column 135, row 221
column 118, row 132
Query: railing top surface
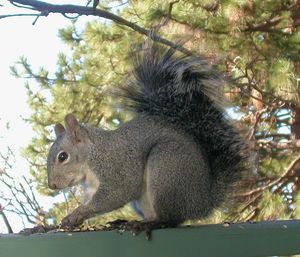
column 240, row 239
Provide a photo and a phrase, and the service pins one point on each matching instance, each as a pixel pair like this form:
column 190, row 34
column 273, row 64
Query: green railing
column 276, row 238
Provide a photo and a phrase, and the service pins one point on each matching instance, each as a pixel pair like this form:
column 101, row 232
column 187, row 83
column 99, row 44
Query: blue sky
column 40, row 45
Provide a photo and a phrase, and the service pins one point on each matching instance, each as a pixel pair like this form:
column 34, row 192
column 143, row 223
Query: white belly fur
column 90, row 185
column 145, row 202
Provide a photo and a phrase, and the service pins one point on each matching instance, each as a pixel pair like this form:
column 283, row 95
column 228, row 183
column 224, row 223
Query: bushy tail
column 187, row 91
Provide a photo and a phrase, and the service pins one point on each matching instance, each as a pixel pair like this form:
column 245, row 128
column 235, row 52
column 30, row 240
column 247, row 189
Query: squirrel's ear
column 59, row 129
column 73, row 127
column 71, row 122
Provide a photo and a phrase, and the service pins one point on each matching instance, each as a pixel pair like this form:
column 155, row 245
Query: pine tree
column 256, row 42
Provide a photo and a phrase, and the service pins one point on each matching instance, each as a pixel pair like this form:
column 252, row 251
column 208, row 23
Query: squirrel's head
column 67, row 158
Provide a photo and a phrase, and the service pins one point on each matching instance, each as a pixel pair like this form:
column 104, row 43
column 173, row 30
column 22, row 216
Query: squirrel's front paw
column 72, row 220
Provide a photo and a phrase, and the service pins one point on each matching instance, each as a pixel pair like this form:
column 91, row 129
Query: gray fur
column 177, row 161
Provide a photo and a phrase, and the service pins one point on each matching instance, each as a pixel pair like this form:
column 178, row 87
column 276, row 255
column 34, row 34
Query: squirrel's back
column 186, row 92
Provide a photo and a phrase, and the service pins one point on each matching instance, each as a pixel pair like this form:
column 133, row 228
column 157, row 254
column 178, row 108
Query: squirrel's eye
column 62, row 156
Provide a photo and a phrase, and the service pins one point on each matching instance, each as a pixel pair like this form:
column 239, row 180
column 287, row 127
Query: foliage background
column 256, row 42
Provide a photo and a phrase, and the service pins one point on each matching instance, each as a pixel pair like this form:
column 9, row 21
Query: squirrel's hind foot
column 136, row 227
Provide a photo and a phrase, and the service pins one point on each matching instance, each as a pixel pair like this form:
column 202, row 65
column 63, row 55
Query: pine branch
column 268, row 25
column 45, row 9
column 289, row 171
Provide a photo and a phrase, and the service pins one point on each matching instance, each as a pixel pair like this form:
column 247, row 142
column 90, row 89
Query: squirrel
column 176, row 160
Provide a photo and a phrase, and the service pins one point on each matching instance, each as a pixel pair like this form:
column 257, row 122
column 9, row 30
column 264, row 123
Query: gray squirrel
column 177, row 159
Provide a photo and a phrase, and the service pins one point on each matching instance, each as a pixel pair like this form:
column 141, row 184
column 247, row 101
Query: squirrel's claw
column 136, row 227
column 72, row 220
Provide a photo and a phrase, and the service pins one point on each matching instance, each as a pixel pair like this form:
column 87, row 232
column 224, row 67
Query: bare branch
column 264, row 26
column 273, row 135
column 170, row 8
column 19, row 197
column 257, row 117
column 46, row 8
column 6, row 222
column 291, row 144
column 18, row 15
